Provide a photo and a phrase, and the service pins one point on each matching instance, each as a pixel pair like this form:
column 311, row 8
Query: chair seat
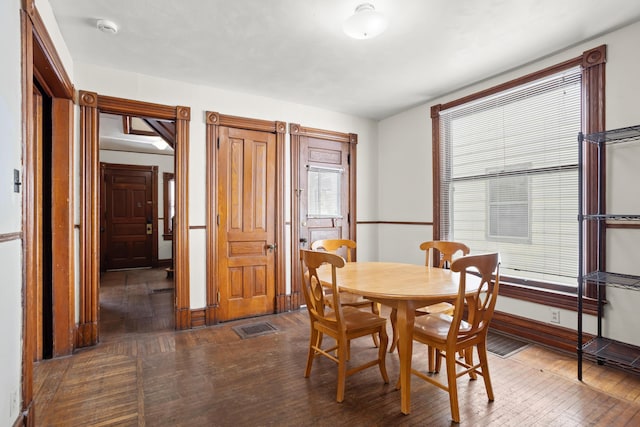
column 356, row 320
column 441, row 307
column 436, row 326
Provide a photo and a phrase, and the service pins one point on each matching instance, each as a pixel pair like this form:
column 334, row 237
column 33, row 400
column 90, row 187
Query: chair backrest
column 479, row 316
column 314, row 290
column 335, row 245
column 446, row 249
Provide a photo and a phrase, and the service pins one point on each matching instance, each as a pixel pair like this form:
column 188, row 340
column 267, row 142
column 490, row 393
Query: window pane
column 324, row 186
column 509, row 177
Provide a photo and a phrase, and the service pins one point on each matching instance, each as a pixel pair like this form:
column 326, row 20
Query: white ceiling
column 112, row 137
column 295, row 50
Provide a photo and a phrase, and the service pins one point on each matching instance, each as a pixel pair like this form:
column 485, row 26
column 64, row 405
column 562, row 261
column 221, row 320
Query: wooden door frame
column 214, row 120
column 154, row 208
column 41, row 62
column 91, row 105
column 296, row 131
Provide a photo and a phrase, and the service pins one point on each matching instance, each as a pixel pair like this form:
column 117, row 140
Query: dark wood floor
column 144, row 373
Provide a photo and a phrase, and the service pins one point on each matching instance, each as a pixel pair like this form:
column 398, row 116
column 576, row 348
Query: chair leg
column 375, row 310
column 342, row 369
column 314, row 341
column 484, row 365
column 431, row 357
column 468, row 359
column 382, row 354
column 452, row 386
column 393, row 317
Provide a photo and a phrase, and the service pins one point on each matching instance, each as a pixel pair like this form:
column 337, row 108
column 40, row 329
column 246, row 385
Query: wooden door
column 246, row 169
column 324, row 190
column 129, row 223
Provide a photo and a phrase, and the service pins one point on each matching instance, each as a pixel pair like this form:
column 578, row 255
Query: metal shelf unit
column 601, row 349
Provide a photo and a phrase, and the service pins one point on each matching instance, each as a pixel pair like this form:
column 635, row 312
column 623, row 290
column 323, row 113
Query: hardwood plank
column 209, row 376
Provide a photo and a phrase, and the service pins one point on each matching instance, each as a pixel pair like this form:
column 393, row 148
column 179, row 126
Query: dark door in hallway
column 128, row 230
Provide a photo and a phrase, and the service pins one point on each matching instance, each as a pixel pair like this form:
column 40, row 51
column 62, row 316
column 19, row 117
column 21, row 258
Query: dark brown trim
column 295, row 299
column 91, row 104
column 197, row 227
column 548, row 297
column 539, row 332
column 8, row 237
column 165, row 263
column 593, row 120
column 31, row 238
column 47, row 64
column 63, row 235
column 395, row 222
column 213, row 121
column 40, row 61
column 629, row 226
column 592, row 62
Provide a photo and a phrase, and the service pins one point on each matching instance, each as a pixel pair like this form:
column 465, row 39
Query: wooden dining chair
column 446, row 252
column 340, row 322
column 450, row 334
column 346, row 247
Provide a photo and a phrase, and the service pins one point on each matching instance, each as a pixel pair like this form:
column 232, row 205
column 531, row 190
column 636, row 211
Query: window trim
column 592, row 63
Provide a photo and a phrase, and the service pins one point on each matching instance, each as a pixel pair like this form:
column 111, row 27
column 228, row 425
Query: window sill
column 551, row 298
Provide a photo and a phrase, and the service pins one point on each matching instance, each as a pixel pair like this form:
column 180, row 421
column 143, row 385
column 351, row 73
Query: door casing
column 91, row 105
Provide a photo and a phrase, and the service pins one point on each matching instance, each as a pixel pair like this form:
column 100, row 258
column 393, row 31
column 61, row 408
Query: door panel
column 128, row 216
column 246, row 231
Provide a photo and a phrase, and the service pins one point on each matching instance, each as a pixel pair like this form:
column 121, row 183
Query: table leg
column 406, row 318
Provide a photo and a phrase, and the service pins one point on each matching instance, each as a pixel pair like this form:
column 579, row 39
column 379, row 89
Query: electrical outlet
column 555, row 316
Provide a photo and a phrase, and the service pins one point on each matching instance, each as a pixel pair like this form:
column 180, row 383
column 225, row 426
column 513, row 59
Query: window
column 169, row 191
column 508, row 205
column 509, row 177
column 324, row 192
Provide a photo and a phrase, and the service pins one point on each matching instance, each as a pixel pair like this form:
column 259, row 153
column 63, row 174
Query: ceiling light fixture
column 365, row 23
column 107, row 26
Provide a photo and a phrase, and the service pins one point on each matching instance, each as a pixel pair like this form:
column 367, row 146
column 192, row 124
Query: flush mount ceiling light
column 365, row 23
column 107, row 26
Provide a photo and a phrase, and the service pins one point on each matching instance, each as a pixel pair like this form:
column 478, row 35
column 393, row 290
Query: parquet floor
column 142, row 373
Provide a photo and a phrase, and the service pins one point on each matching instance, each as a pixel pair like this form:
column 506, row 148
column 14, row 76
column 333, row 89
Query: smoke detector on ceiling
column 107, row 26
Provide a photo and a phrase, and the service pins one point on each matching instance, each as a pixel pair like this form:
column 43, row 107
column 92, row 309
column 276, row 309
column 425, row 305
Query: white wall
column 164, row 164
column 140, row 87
column 11, row 217
column 405, row 157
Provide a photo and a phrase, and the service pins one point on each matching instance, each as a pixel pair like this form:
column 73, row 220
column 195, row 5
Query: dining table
column 403, row 287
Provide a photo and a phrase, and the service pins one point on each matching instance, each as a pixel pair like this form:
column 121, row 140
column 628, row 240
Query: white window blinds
column 509, row 177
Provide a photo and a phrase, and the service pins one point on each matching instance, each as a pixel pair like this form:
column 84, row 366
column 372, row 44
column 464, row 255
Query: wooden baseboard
column 86, row 334
column 198, row 318
column 557, row 337
column 165, row 263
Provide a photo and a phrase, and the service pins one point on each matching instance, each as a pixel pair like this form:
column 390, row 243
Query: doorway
column 323, row 182
column 91, row 106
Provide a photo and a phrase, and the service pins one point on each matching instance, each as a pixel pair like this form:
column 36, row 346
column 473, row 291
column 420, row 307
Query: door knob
column 271, row 247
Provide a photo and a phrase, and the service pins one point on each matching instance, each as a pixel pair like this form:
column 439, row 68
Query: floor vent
column 254, row 329
column 504, row 346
